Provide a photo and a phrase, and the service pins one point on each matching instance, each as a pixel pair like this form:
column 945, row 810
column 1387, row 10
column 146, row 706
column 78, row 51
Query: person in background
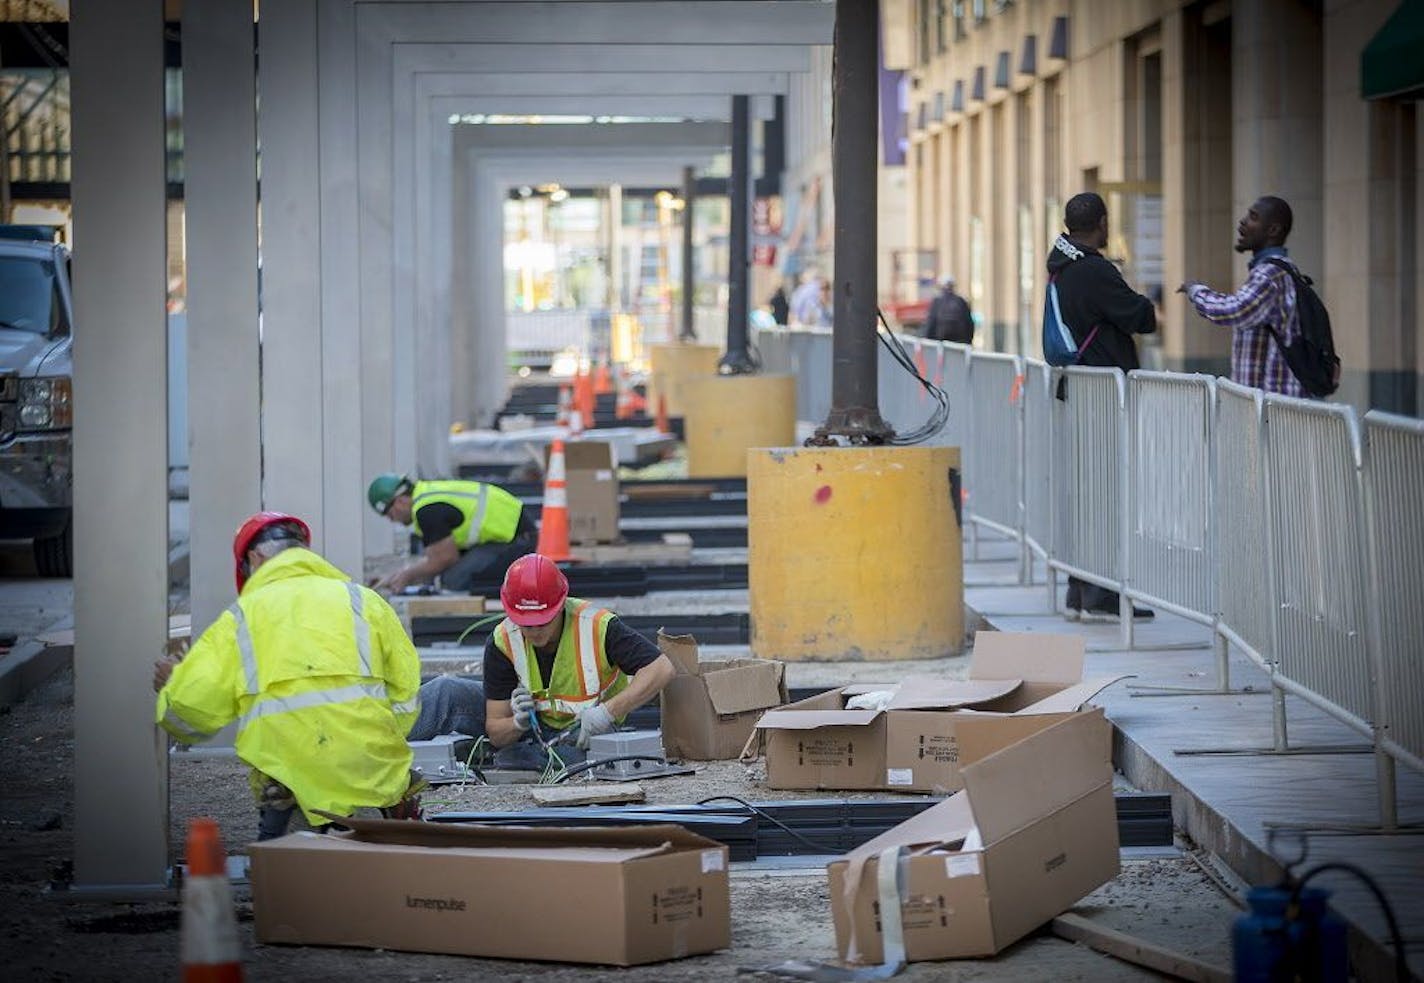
column 949, row 317
column 780, row 305
column 1265, row 302
column 805, row 304
column 1105, row 315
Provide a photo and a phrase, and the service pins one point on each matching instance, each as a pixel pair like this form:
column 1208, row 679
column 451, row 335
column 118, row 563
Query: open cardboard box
column 711, row 707
column 591, row 470
column 613, row 896
column 1023, row 681
column 1034, row 830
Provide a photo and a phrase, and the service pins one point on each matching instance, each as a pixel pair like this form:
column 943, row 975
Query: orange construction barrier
column 211, row 952
column 554, row 523
column 623, row 406
column 602, row 380
column 584, row 399
column 566, row 398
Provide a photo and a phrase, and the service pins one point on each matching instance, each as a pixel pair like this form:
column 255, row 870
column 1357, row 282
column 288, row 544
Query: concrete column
column 1277, row 118
column 120, row 445
column 350, row 524
column 220, row 191
column 288, row 129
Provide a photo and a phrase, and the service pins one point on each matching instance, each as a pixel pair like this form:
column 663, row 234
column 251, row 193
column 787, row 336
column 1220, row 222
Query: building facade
column 1180, row 115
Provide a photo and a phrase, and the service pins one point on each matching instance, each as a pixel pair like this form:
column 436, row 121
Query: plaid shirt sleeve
column 1248, row 307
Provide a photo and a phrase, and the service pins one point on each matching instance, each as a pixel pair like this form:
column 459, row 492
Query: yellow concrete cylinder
column 854, row 553
column 671, row 365
column 723, row 416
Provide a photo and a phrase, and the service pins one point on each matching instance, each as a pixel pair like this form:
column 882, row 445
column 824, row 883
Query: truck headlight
column 45, row 404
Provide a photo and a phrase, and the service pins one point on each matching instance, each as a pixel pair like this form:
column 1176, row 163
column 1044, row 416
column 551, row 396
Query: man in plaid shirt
column 1265, row 301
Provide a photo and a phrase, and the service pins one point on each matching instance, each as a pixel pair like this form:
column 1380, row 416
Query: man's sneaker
column 1072, row 614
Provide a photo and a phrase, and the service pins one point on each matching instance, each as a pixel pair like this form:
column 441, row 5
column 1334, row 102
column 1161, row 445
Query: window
column 28, row 301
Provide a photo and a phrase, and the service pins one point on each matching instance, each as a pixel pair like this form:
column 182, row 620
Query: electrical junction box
column 626, row 742
column 439, row 760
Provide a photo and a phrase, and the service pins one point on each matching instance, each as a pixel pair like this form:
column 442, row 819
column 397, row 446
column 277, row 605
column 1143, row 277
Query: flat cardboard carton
column 611, row 896
column 592, row 473
column 1024, row 681
column 711, row 707
column 1034, row 830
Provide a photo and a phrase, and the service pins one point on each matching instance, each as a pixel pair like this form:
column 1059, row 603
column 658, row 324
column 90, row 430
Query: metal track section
column 719, row 503
column 633, row 488
column 828, row 826
column 703, row 537
column 633, row 581
column 709, row 629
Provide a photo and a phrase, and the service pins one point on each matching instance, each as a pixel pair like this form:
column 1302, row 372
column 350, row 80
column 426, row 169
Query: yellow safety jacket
column 489, row 514
column 319, row 675
column 582, row 675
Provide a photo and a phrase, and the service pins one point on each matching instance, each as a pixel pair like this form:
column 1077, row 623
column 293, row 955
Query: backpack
column 1311, row 356
column 1059, row 348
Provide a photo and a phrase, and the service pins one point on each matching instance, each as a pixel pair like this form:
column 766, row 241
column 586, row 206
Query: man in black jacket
column 949, row 317
column 1103, row 313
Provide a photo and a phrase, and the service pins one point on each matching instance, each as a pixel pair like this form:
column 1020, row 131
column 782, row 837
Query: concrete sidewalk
column 1232, row 803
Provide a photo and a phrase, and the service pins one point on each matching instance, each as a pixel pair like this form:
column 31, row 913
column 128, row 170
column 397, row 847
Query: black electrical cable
column 579, row 769
column 940, row 414
column 1401, row 964
column 762, row 813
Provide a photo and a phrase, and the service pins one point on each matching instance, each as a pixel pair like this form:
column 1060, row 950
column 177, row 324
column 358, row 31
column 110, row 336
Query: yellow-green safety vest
column 319, row 675
column 582, row 675
column 490, row 512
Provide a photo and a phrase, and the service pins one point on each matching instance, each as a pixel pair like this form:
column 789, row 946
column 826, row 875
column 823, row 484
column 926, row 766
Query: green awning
column 1392, row 64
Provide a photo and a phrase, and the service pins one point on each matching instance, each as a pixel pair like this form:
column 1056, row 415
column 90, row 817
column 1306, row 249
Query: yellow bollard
column 854, row 553
column 672, row 364
column 723, row 416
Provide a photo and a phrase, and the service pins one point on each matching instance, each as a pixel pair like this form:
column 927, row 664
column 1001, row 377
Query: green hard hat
column 384, row 488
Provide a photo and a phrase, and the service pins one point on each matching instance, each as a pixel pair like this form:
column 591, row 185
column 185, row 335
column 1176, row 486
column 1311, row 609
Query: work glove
column 592, row 722
column 521, row 701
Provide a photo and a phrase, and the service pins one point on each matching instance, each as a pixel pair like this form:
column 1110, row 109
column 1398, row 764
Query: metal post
column 737, row 360
column 120, row 443
column 689, row 196
column 855, row 411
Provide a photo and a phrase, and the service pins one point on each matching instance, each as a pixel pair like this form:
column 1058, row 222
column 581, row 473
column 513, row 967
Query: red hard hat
column 248, row 535
column 534, row 590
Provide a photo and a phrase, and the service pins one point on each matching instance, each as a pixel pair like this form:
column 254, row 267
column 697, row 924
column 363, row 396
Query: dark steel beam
column 855, row 411
column 738, row 360
column 689, row 198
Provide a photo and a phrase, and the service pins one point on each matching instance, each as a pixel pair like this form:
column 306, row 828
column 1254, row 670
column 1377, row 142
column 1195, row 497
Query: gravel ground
column 775, row 915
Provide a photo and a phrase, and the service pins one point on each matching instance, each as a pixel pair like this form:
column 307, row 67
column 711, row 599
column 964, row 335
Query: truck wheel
column 54, row 555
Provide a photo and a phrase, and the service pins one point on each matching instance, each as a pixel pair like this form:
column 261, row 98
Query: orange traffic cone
column 623, row 406
column 661, row 420
column 584, row 399
column 561, row 418
column 602, row 380
column 211, row 952
column 554, row 523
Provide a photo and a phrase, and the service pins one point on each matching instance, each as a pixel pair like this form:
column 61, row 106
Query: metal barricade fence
column 1089, row 473
column 1038, row 456
column 1394, row 503
column 993, row 450
column 954, row 362
column 1243, row 535
column 1170, row 507
column 774, row 345
column 1318, row 554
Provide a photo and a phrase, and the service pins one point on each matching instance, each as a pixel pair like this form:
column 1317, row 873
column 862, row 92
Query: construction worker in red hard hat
column 319, row 675
column 557, row 666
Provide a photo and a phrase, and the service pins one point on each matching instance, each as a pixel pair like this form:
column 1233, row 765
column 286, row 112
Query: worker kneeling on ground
column 559, row 670
column 470, row 530
column 319, row 675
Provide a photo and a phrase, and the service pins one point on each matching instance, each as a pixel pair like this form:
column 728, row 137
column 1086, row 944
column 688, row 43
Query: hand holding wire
column 521, row 702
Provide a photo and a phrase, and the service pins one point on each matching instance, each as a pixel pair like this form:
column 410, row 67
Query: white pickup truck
column 36, row 414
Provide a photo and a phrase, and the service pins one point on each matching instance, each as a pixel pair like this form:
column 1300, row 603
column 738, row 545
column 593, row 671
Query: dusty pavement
column 775, row 916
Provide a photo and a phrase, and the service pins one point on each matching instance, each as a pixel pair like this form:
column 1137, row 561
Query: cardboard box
column 612, row 896
column 1026, row 681
column 1033, row 832
column 711, row 707
column 592, row 471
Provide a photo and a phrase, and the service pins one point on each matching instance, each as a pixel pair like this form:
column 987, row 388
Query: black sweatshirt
column 1092, row 293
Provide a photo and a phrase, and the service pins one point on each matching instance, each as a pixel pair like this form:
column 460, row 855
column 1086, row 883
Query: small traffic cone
column 554, row 523
column 561, row 418
column 623, row 406
column 661, row 420
column 602, row 380
column 584, row 400
column 211, row 951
